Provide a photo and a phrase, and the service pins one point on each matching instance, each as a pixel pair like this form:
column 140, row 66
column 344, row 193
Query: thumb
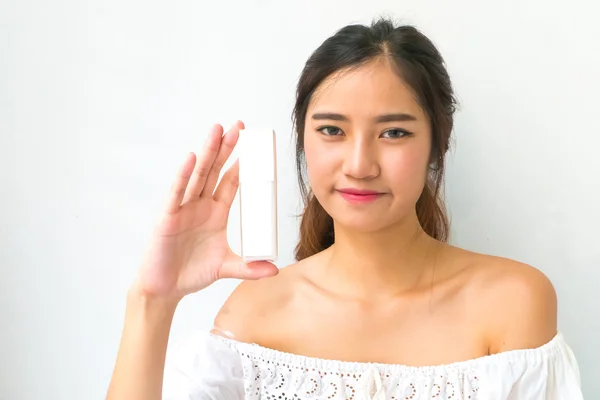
column 239, row 269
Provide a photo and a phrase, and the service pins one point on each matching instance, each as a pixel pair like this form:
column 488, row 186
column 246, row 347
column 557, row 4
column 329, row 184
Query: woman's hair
column 422, row 68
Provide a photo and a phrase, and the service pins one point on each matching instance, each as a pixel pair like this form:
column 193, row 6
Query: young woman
column 379, row 305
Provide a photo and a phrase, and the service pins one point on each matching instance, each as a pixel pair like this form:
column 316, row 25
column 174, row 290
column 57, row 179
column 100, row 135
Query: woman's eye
column 395, row 133
column 330, row 130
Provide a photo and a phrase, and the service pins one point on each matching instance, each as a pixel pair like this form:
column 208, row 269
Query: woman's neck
column 380, row 264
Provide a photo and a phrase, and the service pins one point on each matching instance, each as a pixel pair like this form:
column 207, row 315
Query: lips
column 359, row 196
column 358, row 192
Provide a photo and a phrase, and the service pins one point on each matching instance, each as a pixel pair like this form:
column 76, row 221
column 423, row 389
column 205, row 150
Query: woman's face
column 367, row 145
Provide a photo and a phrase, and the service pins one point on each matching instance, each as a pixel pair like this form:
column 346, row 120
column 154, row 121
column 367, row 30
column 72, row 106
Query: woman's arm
column 138, row 372
column 188, row 251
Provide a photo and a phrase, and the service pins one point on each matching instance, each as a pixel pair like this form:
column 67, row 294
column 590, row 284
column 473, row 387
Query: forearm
column 138, row 373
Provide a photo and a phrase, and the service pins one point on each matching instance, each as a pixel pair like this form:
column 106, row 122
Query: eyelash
column 402, row 132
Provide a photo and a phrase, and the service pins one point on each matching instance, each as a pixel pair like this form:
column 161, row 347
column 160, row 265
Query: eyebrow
column 398, row 117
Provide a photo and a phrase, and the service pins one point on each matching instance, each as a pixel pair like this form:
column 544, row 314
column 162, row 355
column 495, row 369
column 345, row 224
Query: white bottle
column 258, row 194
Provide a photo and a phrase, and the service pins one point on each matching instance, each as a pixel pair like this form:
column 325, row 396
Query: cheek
column 406, row 173
column 319, row 161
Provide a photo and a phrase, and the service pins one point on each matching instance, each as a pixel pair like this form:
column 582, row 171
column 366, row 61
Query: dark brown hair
column 421, row 66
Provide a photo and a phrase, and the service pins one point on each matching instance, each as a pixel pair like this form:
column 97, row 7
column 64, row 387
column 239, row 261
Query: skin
column 385, row 291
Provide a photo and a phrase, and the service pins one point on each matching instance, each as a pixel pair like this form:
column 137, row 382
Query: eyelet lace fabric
column 212, row 367
column 278, row 376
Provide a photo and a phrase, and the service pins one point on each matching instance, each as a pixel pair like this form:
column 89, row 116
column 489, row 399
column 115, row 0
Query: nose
column 361, row 159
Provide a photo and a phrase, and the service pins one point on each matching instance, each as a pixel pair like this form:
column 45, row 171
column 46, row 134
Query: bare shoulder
column 253, row 304
column 517, row 302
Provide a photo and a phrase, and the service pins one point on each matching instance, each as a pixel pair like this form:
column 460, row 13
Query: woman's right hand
column 189, row 249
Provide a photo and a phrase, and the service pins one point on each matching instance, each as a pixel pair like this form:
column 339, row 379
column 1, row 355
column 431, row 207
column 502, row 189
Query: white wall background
column 99, row 102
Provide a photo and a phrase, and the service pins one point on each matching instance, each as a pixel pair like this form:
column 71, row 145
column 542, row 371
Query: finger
column 249, row 271
column 228, row 186
column 227, row 145
column 180, row 184
column 204, row 163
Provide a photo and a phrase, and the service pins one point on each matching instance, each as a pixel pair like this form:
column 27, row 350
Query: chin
column 371, row 219
column 365, row 223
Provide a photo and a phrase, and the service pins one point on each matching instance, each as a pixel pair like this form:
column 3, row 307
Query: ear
column 434, row 166
column 434, row 161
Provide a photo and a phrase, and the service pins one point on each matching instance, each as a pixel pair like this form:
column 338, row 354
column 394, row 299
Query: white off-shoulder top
column 210, row 366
